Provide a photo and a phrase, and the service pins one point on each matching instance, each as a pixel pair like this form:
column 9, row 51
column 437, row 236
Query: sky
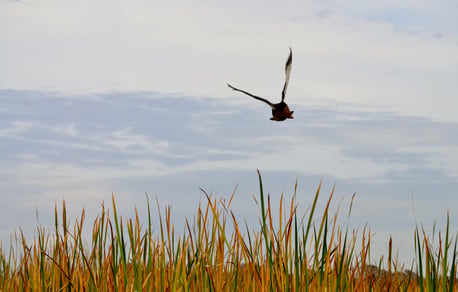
column 114, row 97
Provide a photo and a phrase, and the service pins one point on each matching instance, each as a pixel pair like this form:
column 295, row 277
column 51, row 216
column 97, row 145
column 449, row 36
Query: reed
column 217, row 252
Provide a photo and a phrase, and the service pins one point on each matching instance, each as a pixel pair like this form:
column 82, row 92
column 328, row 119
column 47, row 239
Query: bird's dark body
column 280, row 111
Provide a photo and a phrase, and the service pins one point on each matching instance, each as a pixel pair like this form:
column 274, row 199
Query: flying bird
column 280, row 111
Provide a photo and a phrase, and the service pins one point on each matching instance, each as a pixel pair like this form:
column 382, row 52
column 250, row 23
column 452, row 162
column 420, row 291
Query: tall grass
column 217, row 252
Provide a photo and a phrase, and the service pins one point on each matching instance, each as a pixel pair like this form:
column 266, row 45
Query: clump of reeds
column 306, row 252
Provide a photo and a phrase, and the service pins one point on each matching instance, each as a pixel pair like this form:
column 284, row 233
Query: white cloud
column 378, row 54
column 19, row 128
column 126, row 141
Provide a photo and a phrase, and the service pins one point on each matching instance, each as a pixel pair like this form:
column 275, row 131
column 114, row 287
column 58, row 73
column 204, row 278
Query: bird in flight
column 280, row 111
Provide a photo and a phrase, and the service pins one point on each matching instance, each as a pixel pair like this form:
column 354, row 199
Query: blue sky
column 130, row 97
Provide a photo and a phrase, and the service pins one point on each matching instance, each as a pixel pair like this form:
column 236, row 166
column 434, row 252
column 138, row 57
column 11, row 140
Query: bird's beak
column 291, row 115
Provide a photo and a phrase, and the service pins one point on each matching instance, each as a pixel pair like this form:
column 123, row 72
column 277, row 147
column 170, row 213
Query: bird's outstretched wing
column 288, row 65
column 254, row 96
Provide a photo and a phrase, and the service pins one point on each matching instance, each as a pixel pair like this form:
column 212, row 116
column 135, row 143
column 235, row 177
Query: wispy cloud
column 182, row 130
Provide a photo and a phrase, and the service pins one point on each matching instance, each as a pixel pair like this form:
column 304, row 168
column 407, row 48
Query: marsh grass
column 217, row 252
